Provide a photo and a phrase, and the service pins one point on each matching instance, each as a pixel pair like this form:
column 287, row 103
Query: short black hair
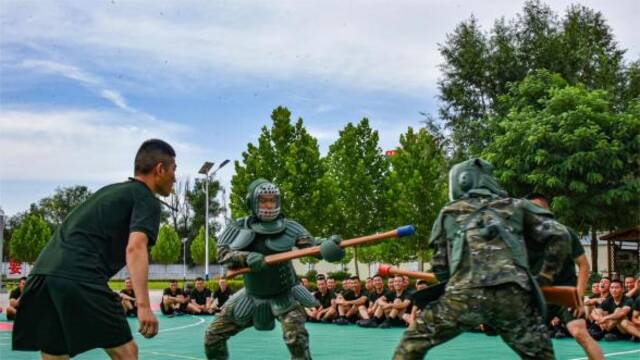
column 173, row 282
column 377, row 275
column 616, row 281
column 23, row 278
column 420, row 281
column 150, row 153
column 330, row 278
column 320, row 277
column 354, row 277
column 535, row 195
column 199, row 279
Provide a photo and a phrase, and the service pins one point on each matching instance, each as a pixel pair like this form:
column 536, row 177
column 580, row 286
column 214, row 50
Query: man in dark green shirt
column 575, row 325
column 67, row 307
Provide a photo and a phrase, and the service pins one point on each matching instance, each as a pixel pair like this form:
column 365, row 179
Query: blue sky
column 82, row 84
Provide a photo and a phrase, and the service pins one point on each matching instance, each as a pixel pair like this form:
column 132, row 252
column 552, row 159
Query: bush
column 311, row 275
column 339, row 275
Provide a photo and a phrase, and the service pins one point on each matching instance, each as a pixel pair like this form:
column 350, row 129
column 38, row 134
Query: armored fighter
column 271, row 291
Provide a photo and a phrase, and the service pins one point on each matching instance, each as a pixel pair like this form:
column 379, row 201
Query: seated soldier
column 633, row 291
column 400, row 305
column 14, row 299
column 326, row 311
column 200, row 300
column 331, row 284
column 632, row 326
column 221, row 295
column 409, row 318
column 174, row 302
column 128, row 299
column 377, row 295
column 610, row 314
column 352, row 306
column 368, row 285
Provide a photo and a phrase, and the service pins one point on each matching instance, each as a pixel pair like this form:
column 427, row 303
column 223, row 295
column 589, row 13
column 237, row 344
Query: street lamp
column 1, row 252
column 204, row 170
column 184, row 258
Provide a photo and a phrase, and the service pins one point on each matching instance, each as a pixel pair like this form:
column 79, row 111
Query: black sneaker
column 611, row 337
column 386, row 324
column 341, row 321
column 367, row 323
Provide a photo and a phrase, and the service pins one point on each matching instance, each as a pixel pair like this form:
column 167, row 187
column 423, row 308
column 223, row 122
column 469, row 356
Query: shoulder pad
column 535, row 209
column 295, row 230
column 236, row 235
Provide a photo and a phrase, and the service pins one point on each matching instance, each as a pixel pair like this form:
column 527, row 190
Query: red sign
column 15, row 268
column 389, row 153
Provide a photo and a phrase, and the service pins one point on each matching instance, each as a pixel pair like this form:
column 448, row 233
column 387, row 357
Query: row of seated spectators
column 375, row 305
column 195, row 300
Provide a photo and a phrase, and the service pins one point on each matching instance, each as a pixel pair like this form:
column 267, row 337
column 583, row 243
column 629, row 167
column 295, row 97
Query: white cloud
column 91, row 81
column 82, row 145
column 372, row 45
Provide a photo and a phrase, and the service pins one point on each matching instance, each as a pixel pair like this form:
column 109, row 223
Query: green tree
column 359, row 168
column 198, row 248
column 568, row 142
column 56, row 207
column 479, row 67
column 290, row 157
column 168, row 247
column 196, row 199
column 29, row 238
column 417, row 189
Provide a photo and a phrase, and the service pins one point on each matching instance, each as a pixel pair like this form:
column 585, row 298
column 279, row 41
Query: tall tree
column 168, row 247
column 196, row 199
column 56, row 207
column 198, row 248
column 417, row 189
column 358, row 166
column 290, row 157
column 29, row 238
column 478, row 67
column 567, row 142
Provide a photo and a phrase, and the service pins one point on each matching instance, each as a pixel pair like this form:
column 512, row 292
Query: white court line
column 170, row 355
column 200, row 321
column 610, row 354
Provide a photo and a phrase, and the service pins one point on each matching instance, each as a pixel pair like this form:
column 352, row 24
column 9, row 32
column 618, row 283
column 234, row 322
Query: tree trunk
column 420, row 263
column 355, row 259
column 594, row 250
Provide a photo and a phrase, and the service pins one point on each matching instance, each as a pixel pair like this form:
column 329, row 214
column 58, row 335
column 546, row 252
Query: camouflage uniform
column 479, row 248
column 271, row 291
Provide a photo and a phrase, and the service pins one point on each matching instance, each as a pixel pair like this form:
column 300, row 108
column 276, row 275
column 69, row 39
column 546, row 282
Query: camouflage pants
column 507, row 308
column 223, row 327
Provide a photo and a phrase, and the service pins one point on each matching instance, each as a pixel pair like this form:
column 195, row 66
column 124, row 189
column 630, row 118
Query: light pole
column 1, row 248
column 184, row 258
column 206, row 167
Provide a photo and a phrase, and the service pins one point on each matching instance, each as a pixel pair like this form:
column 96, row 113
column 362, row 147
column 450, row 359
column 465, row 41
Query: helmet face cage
column 267, row 214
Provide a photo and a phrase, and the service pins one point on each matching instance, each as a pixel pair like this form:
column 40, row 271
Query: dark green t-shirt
column 567, row 274
column 374, row 296
column 200, row 296
column 610, row 305
column 91, row 243
column 324, row 300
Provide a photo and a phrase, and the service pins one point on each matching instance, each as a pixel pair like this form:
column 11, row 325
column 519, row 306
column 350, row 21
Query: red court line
column 6, row 326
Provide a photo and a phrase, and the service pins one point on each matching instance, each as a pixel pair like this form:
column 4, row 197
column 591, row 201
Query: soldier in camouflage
column 479, row 242
column 271, row 291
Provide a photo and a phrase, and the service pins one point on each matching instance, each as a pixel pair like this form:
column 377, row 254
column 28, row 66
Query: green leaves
column 29, row 239
column 167, row 248
column 198, row 248
column 578, row 149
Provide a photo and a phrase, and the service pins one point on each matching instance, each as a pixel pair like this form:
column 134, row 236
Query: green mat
column 182, row 337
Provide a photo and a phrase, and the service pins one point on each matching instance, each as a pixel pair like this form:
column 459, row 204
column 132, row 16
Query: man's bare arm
column 138, row 266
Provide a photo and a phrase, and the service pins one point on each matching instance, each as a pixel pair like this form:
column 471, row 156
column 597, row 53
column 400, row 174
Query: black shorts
column 564, row 314
column 59, row 316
